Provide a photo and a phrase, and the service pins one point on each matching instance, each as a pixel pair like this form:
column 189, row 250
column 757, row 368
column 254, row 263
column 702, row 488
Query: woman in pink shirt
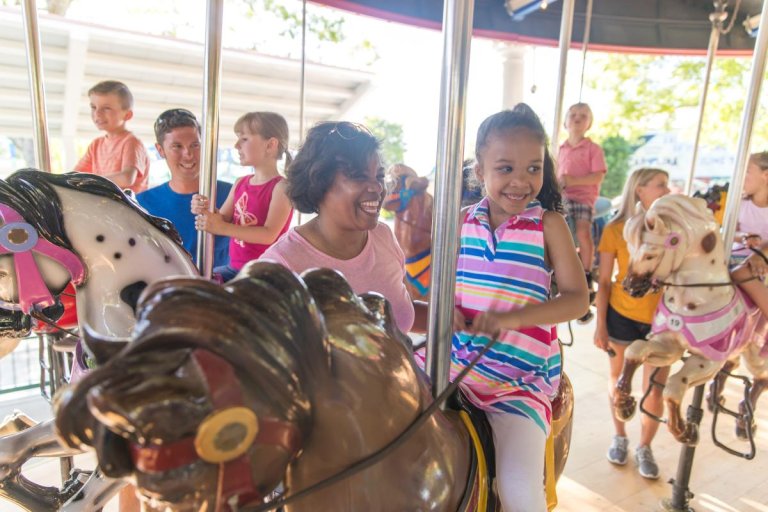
column 338, row 175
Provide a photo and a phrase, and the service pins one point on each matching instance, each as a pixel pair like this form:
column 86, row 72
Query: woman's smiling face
column 354, row 202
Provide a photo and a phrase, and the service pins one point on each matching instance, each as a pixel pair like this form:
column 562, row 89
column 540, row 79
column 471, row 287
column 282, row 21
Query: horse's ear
column 655, row 223
column 639, row 208
column 417, row 184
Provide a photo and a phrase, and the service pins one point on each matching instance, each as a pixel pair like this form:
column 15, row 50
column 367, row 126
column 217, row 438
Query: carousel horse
column 412, row 206
column 77, row 228
column 225, row 391
column 676, row 244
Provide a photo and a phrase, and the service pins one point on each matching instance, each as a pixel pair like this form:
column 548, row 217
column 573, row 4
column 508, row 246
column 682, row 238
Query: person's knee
column 583, row 229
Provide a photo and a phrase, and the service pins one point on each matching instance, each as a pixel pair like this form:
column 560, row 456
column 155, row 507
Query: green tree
column 649, row 93
column 391, row 137
column 617, row 152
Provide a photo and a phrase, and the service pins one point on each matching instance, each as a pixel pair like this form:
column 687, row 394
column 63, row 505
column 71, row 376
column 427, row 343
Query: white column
column 513, row 73
column 77, row 52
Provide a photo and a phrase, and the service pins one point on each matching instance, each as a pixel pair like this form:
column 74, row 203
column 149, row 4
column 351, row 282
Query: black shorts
column 624, row 330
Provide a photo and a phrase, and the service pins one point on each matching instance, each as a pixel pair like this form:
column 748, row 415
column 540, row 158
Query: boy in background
column 581, row 168
column 177, row 133
column 117, row 155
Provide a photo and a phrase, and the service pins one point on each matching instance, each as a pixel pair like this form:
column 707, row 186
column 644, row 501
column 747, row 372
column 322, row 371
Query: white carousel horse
column 80, row 228
column 676, row 243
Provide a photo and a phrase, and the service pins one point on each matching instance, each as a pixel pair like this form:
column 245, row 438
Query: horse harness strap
column 20, row 239
column 224, row 437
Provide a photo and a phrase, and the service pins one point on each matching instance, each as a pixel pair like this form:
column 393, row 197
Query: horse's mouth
column 638, row 285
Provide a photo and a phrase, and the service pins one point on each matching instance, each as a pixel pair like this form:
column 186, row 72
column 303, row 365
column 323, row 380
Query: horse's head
column 675, row 227
column 37, row 259
column 81, row 227
column 403, row 184
column 211, row 400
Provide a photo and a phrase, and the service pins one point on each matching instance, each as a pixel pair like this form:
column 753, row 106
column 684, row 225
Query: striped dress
column 503, row 271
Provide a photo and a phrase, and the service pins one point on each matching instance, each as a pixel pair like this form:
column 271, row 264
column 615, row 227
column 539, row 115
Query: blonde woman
column 622, row 319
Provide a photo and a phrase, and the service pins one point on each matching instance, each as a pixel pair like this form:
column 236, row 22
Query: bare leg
column 616, row 364
column 586, row 246
column 653, row 403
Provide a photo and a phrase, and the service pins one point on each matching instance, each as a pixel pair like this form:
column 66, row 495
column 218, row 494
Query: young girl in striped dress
column 511, row 243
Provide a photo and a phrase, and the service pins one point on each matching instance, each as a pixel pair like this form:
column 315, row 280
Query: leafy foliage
column 640, row 92
column 617, row 152
column 391, row 137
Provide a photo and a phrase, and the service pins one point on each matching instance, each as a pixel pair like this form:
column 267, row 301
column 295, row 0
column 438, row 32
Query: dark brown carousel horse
column 226, row 391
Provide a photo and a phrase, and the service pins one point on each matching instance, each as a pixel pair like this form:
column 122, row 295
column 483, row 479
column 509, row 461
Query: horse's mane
column 265, row 324
column 30, row 193
column 688, row 213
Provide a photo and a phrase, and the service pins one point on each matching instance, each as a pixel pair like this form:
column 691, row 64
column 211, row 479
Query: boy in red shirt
column 118, row 155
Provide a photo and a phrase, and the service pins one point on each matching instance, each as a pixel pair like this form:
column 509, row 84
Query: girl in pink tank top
column 257, row 210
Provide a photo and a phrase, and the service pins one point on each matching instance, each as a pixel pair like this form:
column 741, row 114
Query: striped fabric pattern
column 503, row 271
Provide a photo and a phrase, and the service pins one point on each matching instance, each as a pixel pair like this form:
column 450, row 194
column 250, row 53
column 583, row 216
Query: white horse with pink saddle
column 677, row 244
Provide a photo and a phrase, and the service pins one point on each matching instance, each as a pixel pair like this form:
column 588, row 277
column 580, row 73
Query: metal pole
column 566, row 27
column 717, row 19
column 681, row 494
column 457, row 39
column 209, row 153
column 302, row 98
column 36, row 85
column 745, row 134
column 585, row 44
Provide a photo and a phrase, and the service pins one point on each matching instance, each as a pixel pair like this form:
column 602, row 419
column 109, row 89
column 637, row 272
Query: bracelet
column 760, row 253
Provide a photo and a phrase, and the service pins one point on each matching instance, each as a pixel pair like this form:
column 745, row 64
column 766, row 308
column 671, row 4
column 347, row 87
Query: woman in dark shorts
column 622, row 319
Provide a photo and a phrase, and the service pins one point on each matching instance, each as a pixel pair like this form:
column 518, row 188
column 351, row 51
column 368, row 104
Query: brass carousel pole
column 717, row 18
column 36, row 85
column 457, row 38
column 209, row 153
column 566, row 29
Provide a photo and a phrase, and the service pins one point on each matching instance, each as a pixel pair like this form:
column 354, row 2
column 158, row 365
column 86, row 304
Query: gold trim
column 208, row 441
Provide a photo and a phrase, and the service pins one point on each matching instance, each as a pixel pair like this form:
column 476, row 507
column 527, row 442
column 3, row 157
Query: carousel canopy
column 641, row 26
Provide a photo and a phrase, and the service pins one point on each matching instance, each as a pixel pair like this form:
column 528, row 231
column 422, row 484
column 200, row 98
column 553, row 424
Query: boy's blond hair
column 119, row 89
column 584, row 106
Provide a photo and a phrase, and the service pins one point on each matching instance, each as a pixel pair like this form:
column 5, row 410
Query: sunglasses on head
column 172, row 115
column 349, row 131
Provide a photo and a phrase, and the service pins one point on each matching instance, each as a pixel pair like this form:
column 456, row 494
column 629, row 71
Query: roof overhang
column 667, row 27
column 162, row 73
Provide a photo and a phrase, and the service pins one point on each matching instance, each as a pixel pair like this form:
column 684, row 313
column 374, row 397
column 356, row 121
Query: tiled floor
column 720, row 482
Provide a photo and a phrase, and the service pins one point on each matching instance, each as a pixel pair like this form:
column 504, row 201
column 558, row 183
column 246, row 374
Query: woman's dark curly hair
column 522, row 116
column 329, row 148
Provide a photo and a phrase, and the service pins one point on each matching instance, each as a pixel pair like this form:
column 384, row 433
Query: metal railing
column 20, row 370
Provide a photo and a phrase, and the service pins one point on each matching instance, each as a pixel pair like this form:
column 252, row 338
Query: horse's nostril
column 130, row 294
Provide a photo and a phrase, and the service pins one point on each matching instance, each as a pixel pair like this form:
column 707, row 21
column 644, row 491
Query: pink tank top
column 250, row 209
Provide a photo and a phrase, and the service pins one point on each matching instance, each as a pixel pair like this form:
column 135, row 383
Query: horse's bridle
column 404, row 195
column 19, row 238
column 223, row 437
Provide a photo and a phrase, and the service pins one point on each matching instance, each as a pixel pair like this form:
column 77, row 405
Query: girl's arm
column 279, row 210
column 571, row 303
column 605, row 271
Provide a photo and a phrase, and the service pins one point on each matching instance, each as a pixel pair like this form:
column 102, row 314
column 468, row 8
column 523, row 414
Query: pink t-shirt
column 580, row 160
column 251, row 207
column 378, row 268
column 108, row 155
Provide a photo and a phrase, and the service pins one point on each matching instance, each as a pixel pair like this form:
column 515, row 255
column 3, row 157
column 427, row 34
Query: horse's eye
column 649, row 257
